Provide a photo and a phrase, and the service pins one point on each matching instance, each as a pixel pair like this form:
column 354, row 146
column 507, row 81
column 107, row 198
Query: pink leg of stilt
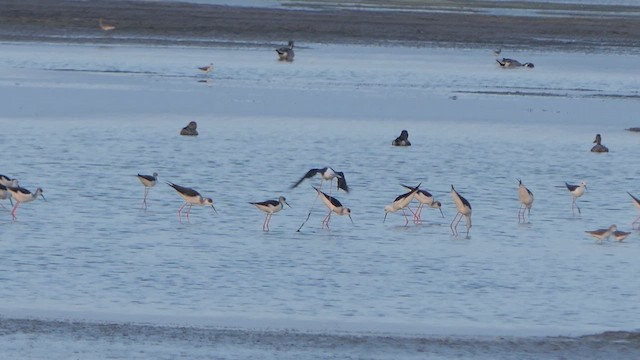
column 144, row 200
column 326, row 220
column 13, row 212
column 265, row 224
column 406, row 219
column 180, row 210
column 188, row 212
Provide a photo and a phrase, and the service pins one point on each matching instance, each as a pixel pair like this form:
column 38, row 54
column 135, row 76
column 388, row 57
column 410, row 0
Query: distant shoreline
column 188, row 24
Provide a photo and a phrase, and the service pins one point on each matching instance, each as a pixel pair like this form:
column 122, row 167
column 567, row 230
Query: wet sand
column 466, row 24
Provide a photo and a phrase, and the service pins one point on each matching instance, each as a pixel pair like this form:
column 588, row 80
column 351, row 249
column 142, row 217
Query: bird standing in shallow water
column 22, row 195
column 105, row 27
column 270, row 207
column 400, row 203
column 334, row 207
column 602, row 234
column 598, row 147
column 636, row 203
column 464, row 209
column 191, row 197
column 620, row 235
column 576, row 191
column 286, row 53
column 148, row 181
column 424, row 198
column 526, row 198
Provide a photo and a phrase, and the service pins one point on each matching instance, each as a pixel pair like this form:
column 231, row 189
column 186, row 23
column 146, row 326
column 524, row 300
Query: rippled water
column 84, row 121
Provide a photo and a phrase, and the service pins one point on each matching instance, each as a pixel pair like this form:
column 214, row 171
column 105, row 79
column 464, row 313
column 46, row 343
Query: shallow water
column 82, row 121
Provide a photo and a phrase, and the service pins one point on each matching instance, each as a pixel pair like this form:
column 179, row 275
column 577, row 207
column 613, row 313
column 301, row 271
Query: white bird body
column 270, row 207
column 464, row 209
column 22, row 195
column 526, row 198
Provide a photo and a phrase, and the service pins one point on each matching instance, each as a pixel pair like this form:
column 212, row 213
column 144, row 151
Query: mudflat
column 443, row 23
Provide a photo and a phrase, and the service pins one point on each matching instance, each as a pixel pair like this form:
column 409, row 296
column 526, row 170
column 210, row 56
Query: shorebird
column 598, row 147
column 497, row 52
column 22, row 195
column 334, row 207
column 206, row 69
column 5, row 194
column 464, row 209
column 148, row 181
column 6, row 181
column 602, row 234
column 105, row 27
column 286, row 52
column 270, row 207
column 576, row 191
column 326, row 173
column 424, row 198
column 190, row 130
column 400, row 203
column 402, row 140
column 526, row 198
column 511, row 63
column 620, row 235
column 191, row 197
column 636, row 203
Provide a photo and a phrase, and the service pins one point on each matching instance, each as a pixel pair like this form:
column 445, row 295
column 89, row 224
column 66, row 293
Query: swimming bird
column 602, row 234
column 424, row 198
column 105, row 27
column 464, row 209
column 400, row 203
column 598, row 147
column 334, row 207
column 325, row 173
column 511, row 63
column 190, row 130
column 526, row 198
column 576, row 191
column 402, row 140
column 22, row 195
column 206, row 69
column 620, row 235
column 191, row 197
column 286, row 52
column 270, row 207
column 148, row 181
column 636, row 203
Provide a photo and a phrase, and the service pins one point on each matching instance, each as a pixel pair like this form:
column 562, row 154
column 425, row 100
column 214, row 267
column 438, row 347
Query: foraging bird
column 6, row 181
column 148, row 181
column 191, row 197
column 22, row 195
column 424, row 198
column 334, row 207
column 464, row 209
column 620, row 235
column 598, row 147
column 400, row 203
column 5, row 194
column 511, row 63
column 526, row 198
column 105, row 27
column 270, row 207
column 402, row 140
column 636, row 203
column 602, row 234
column 190, row 130
column 286, row 52
column 576, row 191
column 326, row 173
column 206, row 69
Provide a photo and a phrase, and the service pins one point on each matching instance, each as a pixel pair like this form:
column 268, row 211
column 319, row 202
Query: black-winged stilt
column 576, row 191
column 400, row 203
column 286, row 52
column 6, row 181
column 325, row 173
column 526, row 198
column 636, row 203
column 270, row 207
column 602, row 234
column 464, row 209
column 424, row 198
column 148, row 181
column 191, row 197
column 334, row 207
column 22, row 195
